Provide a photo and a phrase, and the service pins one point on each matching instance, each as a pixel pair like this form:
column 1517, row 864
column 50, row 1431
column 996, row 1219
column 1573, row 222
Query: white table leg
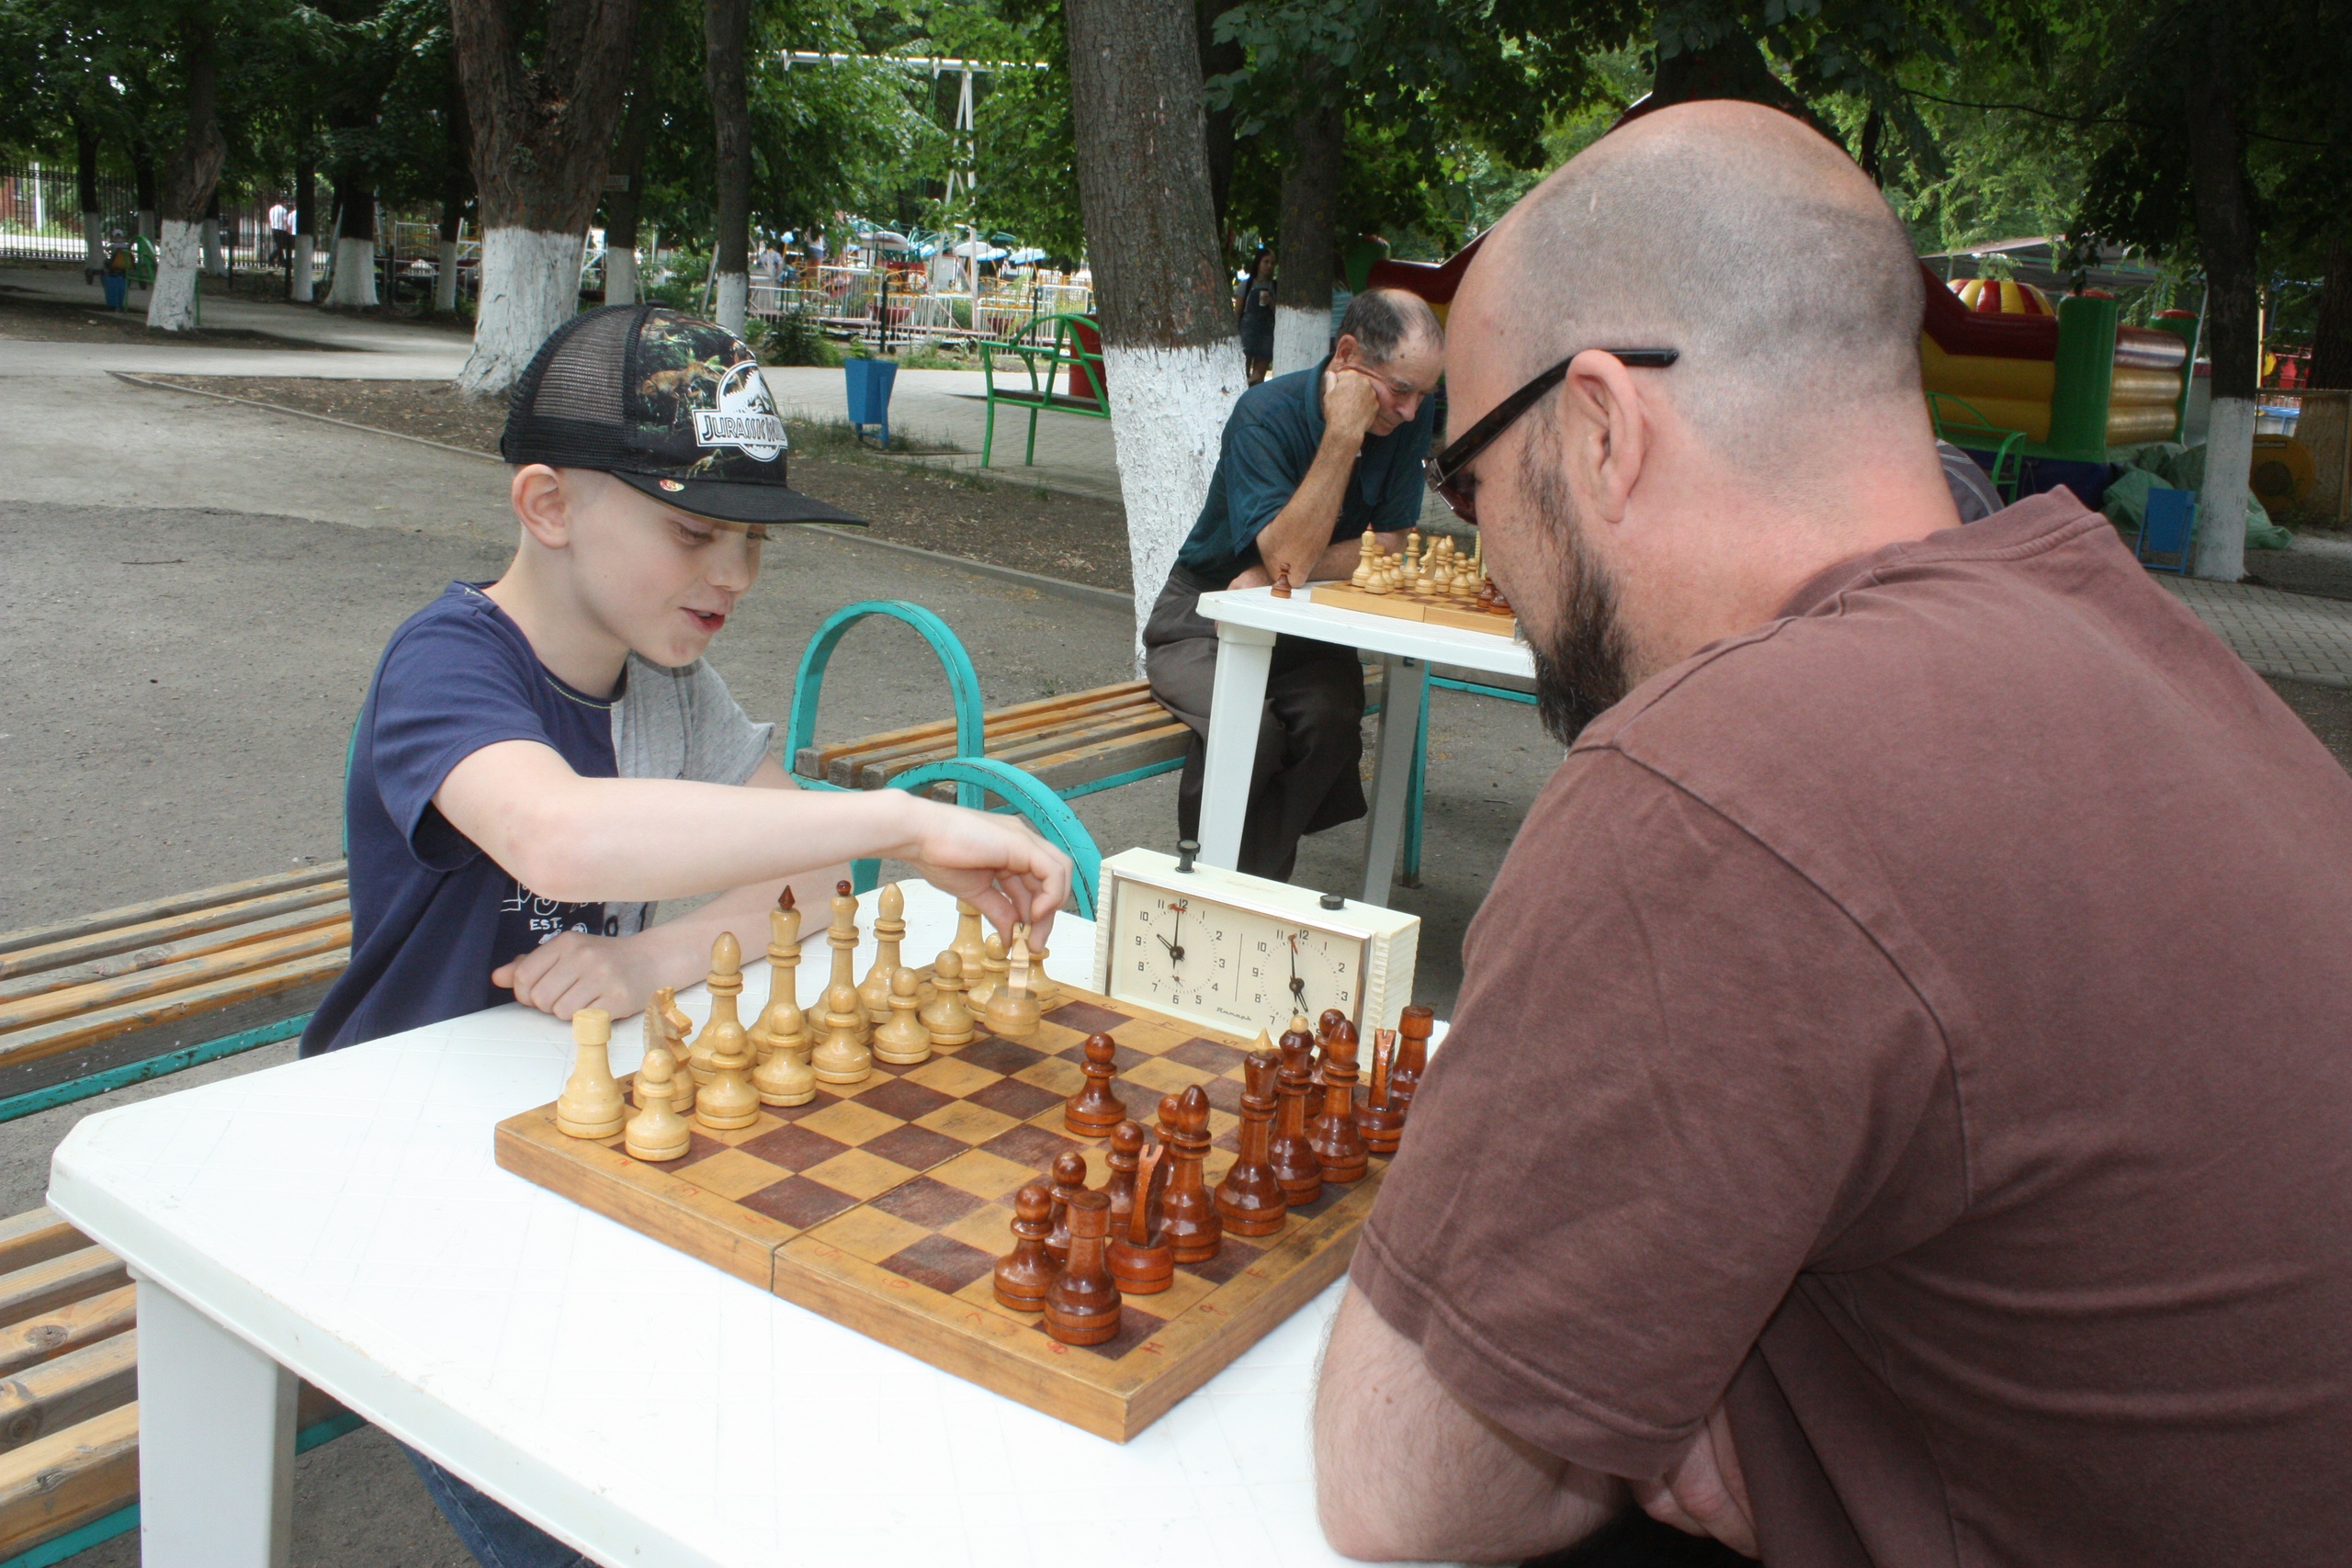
column 216, row 1442
column 1244, row 655
column 1392, row 776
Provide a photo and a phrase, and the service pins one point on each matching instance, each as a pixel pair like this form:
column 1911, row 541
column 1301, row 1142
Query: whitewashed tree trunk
column 215, row 262
column 445, row 276
column 94, row 242
column 531, row 285
column 1301, row 338
column 306, row 267
column 729, row 304
column 2221, row 504
column 620, row 277
column 1167, row 412
column 354, row 273
column 171, row 306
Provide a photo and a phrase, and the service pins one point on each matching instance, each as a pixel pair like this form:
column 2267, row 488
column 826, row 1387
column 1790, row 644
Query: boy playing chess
column 541, row 757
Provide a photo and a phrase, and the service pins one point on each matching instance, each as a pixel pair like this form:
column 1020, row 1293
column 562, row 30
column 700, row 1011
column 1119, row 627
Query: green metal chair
column 1065, row 346
column 1969, row 429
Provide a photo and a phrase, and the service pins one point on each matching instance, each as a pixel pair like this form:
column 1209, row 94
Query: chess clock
column 1241, row 953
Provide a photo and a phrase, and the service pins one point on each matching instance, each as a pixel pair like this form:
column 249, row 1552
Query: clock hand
column 1176, row 949
column 1175, row 954
column 1297, row 986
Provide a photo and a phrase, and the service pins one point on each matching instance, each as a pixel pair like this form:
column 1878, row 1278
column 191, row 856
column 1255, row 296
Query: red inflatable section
column 1959, row 330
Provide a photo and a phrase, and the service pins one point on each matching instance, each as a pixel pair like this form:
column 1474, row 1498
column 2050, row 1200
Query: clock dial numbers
column 1232, row 966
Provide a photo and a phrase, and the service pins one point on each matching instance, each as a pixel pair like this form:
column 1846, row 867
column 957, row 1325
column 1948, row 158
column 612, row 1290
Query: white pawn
column 903, row 1041
column 657, row 1133
column 993, row 966
column 843, row 1058
column 945, row 1018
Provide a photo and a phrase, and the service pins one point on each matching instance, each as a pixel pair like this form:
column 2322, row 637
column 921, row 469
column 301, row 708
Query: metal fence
column 40, row 218
column 847, row 302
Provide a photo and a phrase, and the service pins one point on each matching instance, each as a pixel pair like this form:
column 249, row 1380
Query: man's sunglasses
column 1446, row 470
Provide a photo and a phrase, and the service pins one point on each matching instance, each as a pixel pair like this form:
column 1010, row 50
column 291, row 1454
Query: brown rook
column 1380, row 1118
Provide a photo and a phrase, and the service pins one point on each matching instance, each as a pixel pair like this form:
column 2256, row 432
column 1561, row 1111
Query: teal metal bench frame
column 1419, row 785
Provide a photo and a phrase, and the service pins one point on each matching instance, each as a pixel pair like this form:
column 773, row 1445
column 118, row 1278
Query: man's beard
column 1581, row 668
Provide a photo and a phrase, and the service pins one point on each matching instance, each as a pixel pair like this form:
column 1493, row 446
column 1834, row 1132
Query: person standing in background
column 1258, row 315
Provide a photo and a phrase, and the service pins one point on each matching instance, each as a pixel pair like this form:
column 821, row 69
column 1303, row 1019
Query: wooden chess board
column 885, row 1205
column 1412, row 604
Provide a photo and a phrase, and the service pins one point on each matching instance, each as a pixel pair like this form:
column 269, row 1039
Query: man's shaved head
column 1735, row 233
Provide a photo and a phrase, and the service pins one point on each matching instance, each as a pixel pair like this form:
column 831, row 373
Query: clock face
column 1243, row 970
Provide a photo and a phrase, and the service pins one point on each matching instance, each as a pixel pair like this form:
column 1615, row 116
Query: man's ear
column 542, row 504
column 1346, row 353
column 1604, row 430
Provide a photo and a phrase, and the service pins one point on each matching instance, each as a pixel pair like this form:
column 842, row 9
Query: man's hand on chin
column 1252, row 577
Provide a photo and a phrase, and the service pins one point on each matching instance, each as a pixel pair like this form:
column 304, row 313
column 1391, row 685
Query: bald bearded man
column 1898, row 1109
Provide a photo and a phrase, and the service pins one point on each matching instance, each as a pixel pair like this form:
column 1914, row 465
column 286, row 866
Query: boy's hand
column 574, row 970
column 999, row 863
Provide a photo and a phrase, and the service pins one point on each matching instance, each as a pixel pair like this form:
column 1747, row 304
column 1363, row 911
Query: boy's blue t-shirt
column 431, row 914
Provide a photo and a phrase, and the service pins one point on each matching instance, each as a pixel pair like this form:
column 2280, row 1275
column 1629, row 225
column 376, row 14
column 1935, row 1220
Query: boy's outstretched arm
column 575, row 970
column 581, row 839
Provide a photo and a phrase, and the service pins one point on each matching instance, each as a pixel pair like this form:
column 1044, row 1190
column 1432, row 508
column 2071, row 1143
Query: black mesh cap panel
column 672, row 404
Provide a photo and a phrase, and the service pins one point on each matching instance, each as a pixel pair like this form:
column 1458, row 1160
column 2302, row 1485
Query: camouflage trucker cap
column 668, row 403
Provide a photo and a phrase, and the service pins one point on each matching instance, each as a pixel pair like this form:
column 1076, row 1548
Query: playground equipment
column 2071, row 381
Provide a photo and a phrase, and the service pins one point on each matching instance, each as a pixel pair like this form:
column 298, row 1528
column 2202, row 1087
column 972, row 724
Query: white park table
column 341, row 1220
column 1247, row 621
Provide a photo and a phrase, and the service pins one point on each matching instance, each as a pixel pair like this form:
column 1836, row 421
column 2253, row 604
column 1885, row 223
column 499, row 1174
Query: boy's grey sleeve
column 723, row 746
column 681, row 724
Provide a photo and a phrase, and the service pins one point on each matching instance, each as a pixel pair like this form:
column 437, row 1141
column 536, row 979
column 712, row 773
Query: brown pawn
column 1082, row 1303
column 1127, row 1152
column 1337, row 1143
column 1282, row 583
column 1298, row 1170
column 1022, row 1274
column 1330, row 1023
column 1300, row 1031
column 1094, row 1110
column 1413, row 1033
column 1142, row 1258
column 1249, row 1199
column 1189, row 1213
column 1069, row 1180
column 1380, row 1118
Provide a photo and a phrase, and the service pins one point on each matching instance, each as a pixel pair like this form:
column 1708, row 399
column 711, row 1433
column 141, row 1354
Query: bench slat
column 83, row 950
column 1085, row 764
column 65, row 1480
column 69, row 1327
column 184, row 903
column 73, row 1277
column 1044, row 744
column 53, row 1039
column 35, row 1237
column 840, row 763
column 69, row 1388
column 116, row 965
column 166, row 979
column 1006, row 744
column 931, row 728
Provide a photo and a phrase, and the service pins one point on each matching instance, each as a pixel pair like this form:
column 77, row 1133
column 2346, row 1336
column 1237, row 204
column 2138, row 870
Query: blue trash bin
column 869, row 393
column 117, row 284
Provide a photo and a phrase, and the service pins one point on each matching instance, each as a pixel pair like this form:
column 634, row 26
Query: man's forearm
column 1301, row 531
column 1405, row 1472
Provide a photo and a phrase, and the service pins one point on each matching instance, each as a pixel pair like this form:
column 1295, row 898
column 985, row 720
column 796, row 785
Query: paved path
column 1074, row 453
column 2294, row 636
column 370, row 348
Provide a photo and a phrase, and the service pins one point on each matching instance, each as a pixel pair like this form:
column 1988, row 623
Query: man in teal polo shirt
column 1310, row 461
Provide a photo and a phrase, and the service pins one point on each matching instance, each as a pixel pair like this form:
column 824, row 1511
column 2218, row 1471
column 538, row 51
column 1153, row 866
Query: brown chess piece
column 1082, row 1303
column 1094, row 1110
column 1282, row 583
column 1380, row 1118
column 1413, row 1033
column 1142, row 1258
column 1022, row 1274
column 1189, row 1213
column 1127, row 1152
column 1249, row 1199
column 1296, row 1169
column 674, row 1024
column 1337, row 1143
column 1069, row 1180
column 1300, row 1030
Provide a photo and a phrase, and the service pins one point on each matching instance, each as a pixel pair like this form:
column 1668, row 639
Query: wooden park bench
column 89, row 1006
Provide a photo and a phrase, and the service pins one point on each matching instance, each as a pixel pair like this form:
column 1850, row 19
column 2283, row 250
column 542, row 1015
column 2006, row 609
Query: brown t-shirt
column 1923, row 1023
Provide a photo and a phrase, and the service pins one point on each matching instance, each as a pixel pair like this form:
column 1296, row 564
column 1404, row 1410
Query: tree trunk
column 216, row 260
column 541, row 132
column 306, row 217
column 727, row 32
column 2225, row 242
column 355, row 245
column 1171, row 358
column 2331, row 336
column 1310, row 213
column 1218, row 60
column 629, row 165
column 456, row 190
column 189, row 181
column 85, row 178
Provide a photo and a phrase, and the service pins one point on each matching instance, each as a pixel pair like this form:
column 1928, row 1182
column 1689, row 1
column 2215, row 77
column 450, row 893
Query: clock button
column 1334, row 901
